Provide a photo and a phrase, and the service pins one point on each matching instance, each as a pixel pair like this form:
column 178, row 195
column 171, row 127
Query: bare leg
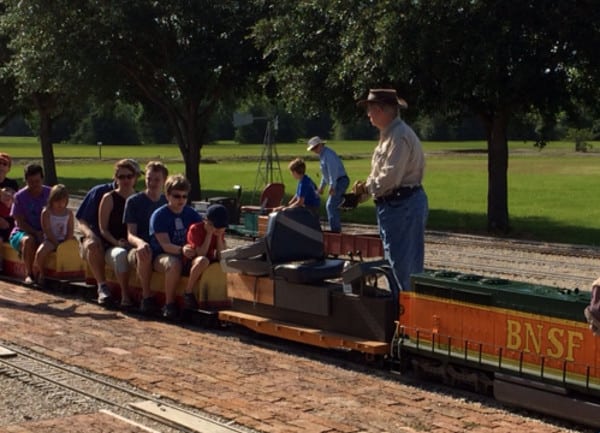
column 123, row 279
column 199, row 265
column 41, row 257
column 172, row 276
column 28, row 248
column 144, row 271
column 95, row 258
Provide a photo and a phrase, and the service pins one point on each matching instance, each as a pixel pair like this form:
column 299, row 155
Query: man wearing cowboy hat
column 395, row 180
column 334, row 175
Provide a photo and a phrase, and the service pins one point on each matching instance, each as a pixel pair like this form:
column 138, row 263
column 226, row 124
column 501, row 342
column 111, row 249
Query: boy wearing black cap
column 207, row 238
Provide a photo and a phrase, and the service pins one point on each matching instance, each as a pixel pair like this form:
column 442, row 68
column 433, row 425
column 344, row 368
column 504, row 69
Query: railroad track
column 433, row 237
column 76, row 386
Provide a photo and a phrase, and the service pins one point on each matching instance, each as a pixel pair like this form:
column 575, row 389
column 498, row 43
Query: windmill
column 269, row 169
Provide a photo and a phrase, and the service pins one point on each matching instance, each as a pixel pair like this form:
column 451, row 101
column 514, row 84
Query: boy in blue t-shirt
column 306, row 191
column 168, row 236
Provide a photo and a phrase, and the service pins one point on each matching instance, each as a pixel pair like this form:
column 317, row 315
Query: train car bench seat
column 292, row 250
column 296, row 249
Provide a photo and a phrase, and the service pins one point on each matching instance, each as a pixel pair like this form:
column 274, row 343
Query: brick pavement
column 86, row 423
column 218, row 372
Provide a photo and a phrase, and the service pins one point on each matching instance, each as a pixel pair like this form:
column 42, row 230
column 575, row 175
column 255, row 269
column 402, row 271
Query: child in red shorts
column 207, row 238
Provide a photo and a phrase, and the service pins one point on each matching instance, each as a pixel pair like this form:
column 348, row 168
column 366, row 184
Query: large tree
column 496, row 59
column 184, row 57
column 7, row 86
column 45, row 75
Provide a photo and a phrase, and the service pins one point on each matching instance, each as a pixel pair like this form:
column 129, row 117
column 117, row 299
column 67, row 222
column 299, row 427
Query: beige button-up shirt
column 398, row 160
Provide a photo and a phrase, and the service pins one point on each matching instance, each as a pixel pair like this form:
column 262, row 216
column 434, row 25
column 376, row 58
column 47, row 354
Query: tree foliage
column 493, row 59
column 43, row 63
column 7, row 86
column 183, row 57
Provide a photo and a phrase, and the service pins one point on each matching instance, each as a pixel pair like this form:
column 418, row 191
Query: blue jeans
column 402, row 229
column 334, row 202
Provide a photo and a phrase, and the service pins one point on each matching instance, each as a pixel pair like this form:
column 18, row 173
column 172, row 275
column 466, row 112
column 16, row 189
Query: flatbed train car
column 528, row 344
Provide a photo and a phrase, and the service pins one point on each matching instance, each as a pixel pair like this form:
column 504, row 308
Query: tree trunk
column 44, row 104
column 497, row 209
column 185, row 127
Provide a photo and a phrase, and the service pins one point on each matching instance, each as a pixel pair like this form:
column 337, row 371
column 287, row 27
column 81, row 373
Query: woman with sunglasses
column 114, row 231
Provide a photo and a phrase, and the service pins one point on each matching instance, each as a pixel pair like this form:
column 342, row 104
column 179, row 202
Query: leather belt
column 397, row 194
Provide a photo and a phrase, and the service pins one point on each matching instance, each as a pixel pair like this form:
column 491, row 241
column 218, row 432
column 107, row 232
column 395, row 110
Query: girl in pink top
column 57, row 225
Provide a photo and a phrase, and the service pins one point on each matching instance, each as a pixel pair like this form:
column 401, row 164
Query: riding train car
column 210, row 290
column 529, row 344
column 65, row 266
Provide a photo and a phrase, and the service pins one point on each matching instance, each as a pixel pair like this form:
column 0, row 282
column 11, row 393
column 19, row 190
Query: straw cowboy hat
column 383, row 96
column 314, row 142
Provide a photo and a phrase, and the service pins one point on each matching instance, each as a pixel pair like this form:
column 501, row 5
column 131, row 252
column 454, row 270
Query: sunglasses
column 125, row 176
column 4, row 163
column 179, row 196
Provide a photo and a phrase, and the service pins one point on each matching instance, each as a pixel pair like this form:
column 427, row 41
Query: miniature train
column 528, row 344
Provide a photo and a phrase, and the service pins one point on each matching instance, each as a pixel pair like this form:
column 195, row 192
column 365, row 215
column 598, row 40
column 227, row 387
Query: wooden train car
column 63, row 264
column 284, row 285
column 529, row 344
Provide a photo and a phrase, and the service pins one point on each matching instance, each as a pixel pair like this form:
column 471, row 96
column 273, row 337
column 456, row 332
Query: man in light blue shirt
column 334, row 175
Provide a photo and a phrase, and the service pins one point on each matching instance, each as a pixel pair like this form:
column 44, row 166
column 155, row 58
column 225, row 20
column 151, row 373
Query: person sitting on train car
column 207, row 238
column 138, row 209
column 114, row 230
column 7, row 222
column 5, row 165
column 168, row 232
column 306, row 192
column 58, row 224
column 91, row 244
column 29, row 201
column 8, row 185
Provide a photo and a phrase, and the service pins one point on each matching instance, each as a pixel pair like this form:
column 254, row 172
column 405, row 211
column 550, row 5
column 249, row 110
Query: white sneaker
column 103, row 294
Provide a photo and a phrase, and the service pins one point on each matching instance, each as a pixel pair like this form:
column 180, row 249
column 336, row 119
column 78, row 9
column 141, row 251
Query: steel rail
column 20, row 363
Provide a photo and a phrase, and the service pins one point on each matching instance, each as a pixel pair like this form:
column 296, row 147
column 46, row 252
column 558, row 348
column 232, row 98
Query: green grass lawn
column 552, row 193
